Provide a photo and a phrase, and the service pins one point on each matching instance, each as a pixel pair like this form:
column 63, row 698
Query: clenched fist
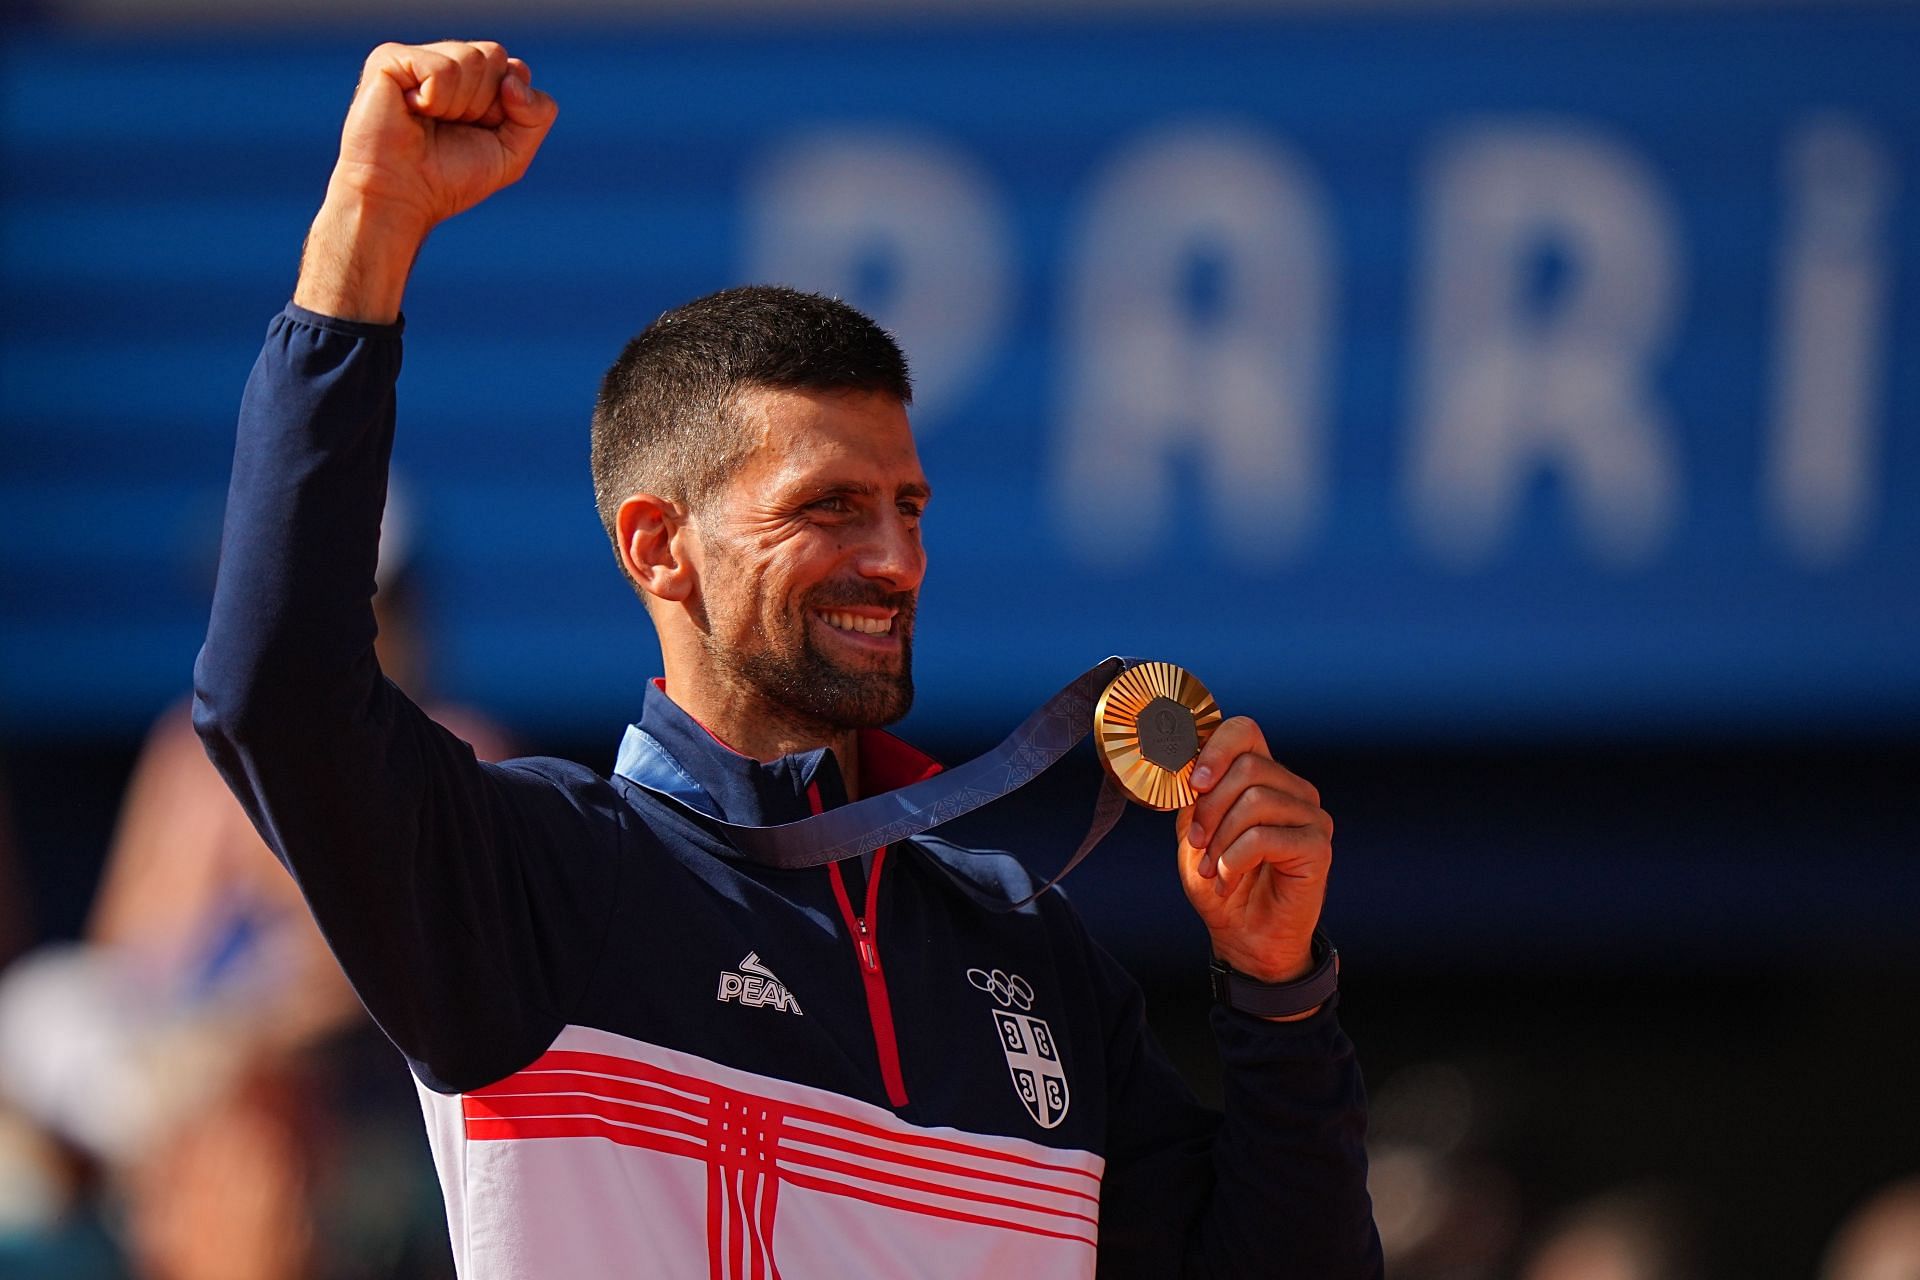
column 433, row 130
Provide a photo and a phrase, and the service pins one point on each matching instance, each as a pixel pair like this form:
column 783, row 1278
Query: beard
column 794, row 674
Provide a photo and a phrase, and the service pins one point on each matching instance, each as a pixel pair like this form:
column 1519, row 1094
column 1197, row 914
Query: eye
column 836, row 505
column 911, row 510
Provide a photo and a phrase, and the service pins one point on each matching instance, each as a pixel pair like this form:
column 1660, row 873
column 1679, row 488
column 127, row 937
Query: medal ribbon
column 877, row 821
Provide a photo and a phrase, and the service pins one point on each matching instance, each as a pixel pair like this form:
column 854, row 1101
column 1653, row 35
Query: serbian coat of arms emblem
column 1033, row 1057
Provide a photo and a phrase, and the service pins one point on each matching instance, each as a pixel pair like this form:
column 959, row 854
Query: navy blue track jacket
column 640, row 1053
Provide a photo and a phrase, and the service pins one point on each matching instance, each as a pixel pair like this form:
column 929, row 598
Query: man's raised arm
column 439, row 881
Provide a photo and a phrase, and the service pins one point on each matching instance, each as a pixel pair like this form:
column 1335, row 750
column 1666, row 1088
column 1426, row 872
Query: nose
column 894, row 555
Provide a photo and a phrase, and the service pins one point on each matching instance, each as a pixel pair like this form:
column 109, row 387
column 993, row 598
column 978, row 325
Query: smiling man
column 756, row 473
column 640, row 1050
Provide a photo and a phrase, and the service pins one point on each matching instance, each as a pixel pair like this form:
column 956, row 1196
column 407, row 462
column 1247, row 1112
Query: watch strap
column 1237, row 990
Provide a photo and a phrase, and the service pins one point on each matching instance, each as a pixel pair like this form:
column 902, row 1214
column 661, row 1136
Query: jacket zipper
column 865, row 929
column 866, row 944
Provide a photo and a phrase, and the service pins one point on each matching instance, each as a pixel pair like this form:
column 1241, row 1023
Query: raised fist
column 435, row 129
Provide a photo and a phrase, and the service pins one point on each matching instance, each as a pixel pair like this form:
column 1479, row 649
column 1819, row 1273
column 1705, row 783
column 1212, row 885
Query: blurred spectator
column 204, row 1044
column 1640, row 1234
column 1880, row 1240
column 48, row 1230
column 192, row 893
column 1445, row 1209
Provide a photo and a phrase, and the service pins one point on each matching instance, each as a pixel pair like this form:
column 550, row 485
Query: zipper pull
column 869, row 956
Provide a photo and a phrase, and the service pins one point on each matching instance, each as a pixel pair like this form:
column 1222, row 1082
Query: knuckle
column 1267, row 796
column 1245, row 768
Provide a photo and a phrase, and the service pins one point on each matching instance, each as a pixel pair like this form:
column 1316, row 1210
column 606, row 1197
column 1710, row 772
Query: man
column 639, row 1051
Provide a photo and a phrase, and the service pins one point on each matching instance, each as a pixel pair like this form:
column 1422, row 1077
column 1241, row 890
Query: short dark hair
column 665, row 423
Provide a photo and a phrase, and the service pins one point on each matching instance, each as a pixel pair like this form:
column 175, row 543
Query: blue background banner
column 1460, row 375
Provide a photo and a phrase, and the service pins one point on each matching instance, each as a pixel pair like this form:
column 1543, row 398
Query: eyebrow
column 858, row 489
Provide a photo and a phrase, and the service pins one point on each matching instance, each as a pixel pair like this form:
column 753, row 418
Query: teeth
column 853, row 622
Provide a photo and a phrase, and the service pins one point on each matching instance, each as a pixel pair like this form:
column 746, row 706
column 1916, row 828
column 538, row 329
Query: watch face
column 1149, row 725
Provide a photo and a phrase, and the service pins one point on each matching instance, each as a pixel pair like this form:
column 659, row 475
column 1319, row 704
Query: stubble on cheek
column 796, row 674
column 770, row 646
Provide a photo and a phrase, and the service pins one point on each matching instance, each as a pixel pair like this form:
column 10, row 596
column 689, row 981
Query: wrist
column 1269, row 963
column 1287, row 1000
column 358, row 256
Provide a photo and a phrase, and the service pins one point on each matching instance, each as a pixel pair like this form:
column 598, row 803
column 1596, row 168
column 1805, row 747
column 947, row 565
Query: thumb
column 529, row 114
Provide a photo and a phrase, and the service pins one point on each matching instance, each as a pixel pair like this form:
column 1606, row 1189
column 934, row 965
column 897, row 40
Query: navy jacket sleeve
column 456, row 894
column 1276, row 1188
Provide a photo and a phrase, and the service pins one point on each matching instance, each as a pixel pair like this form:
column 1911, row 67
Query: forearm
column 357, row 257
column 292, row 627
column 1289, row 1159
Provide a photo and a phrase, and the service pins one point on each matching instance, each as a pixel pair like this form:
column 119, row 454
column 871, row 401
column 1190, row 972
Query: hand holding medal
column 1254, row 852
column 1254, row 844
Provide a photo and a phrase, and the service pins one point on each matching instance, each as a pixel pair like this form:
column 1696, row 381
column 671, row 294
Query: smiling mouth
column 855, row 623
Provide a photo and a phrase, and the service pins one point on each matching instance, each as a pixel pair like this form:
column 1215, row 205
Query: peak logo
column 755, row 985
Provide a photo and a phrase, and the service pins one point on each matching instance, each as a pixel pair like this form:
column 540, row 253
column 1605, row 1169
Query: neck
column 746, row 721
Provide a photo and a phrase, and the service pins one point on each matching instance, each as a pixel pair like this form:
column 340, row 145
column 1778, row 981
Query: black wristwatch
column 1279, row 999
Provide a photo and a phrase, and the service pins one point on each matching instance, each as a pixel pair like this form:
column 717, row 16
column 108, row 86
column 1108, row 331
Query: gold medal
column 1149, row 725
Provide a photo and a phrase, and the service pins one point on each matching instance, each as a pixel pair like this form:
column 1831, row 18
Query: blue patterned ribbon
column 877, row 821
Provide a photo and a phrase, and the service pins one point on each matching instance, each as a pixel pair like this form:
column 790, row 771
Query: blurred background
column 1514, row 406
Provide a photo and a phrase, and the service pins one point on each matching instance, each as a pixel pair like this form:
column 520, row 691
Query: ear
column 655, row 546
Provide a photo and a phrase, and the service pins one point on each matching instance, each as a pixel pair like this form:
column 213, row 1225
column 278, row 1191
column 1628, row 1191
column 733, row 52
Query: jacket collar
column 716, row 779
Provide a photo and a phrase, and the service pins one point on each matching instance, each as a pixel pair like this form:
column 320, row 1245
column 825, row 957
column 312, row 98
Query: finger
column 473, row 88
column 1297, row 853
column 1244, row 771
column 486, row 95
column 1266, row 807
column 1231, row 740
column 450, row 74
column 1233, row 737
column 437, row 78
column 1248, row 770
column 1284, row 779
column 529, row 115
column 424, row 76
column 1209, row 809
column 496, row 112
